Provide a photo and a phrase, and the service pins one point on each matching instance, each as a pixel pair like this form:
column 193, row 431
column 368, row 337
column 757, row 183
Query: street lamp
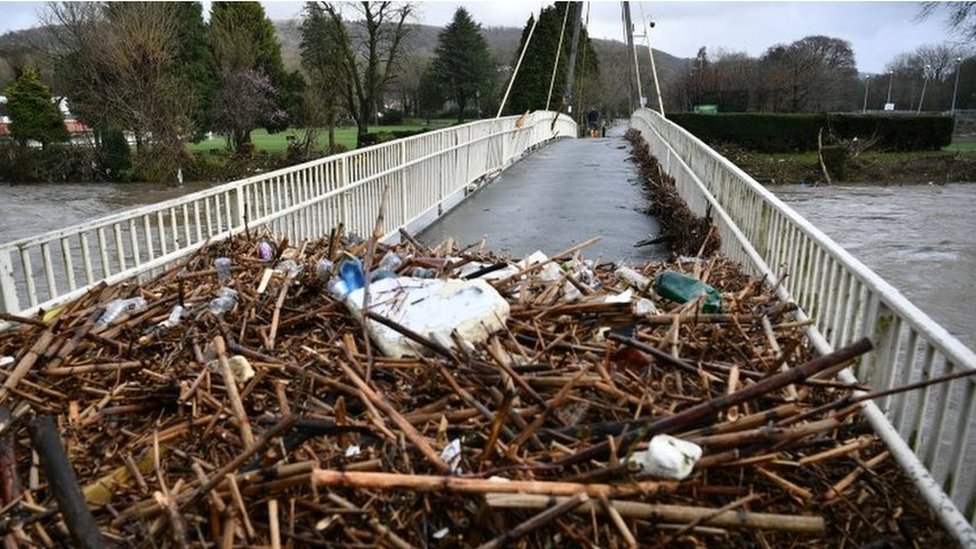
column 891, row 76
column 867, row 85
column 925, row 81
column 956, row 87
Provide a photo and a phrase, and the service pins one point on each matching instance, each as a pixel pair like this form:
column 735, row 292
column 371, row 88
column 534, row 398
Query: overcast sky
column 878, row 31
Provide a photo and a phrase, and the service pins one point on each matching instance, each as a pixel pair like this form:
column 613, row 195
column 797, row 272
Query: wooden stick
column 667, row 424
column 27, row 362
column 843, row 484
column 678, row 513
column 284, row 425
column 618, row 521
column 230, row 385
column 63, row 483
column 691, row 525
column 536, row 522
column 380, row 402
column 433, row 483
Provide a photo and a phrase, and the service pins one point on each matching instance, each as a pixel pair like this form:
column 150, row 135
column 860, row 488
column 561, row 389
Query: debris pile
column 236, row 400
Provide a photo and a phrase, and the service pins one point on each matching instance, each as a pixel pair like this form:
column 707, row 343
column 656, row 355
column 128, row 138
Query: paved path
column 563, row 194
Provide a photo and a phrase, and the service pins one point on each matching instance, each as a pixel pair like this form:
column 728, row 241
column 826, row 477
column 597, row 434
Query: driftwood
column 468, row 444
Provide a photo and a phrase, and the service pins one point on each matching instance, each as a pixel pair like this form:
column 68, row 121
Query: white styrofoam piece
column 668, row 457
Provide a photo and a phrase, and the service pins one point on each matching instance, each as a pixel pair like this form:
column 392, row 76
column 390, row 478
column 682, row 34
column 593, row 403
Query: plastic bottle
column 390, row 262
column 682, row 288
column 289, row 267
column 423, row 272
column 223, row 269
column 174, row 319
column 323, row 270
column 265, row 251
column 225, row 301
column 380, row 274
column 351, row 272
column 115, row 309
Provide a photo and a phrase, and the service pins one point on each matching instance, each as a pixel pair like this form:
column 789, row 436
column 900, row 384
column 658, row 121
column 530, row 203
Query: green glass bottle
column 682, row 288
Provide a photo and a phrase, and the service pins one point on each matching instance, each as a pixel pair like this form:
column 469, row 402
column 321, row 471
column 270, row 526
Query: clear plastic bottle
column 323, row 270
column 222, row 264
column 423, row 272
column 390, row 262
column 119, row 307
column 175, row 317
column 289, row 267
column 225, row 301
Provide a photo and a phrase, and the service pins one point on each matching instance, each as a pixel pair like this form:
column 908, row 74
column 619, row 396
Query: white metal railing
column 928, row 432
column 302, row 201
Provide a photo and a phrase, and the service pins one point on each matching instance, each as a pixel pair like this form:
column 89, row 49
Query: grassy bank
column 955, row 163
column 277, row 143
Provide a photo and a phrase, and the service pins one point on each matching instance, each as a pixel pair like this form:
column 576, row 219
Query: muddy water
column 28, row 210
column 921, row 239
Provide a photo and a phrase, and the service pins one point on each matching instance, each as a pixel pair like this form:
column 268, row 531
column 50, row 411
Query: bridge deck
column 565, row 193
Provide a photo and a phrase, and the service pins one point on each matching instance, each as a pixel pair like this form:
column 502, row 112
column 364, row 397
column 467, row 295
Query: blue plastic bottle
column 351, row 272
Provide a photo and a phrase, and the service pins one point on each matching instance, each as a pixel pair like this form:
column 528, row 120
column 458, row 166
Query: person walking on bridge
column 593, row 121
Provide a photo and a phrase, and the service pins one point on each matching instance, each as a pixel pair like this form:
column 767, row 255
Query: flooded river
column 28, row 210
column 920, row 238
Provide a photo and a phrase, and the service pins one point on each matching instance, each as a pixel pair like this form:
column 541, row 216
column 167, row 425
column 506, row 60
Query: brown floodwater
column 920, row 238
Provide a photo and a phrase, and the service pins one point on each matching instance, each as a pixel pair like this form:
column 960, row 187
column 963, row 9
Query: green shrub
column 776, row 133
column 391, row 117
column 372, row 138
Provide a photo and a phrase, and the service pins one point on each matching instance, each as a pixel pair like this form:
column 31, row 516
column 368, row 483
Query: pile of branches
column 682, row 231
column 278, row 423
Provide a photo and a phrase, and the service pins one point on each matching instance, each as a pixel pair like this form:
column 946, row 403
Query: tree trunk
column 461, row 103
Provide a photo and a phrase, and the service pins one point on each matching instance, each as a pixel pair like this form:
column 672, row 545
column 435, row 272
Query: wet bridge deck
column 561, row 195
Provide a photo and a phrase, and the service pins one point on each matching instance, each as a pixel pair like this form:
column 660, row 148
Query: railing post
column 402, row 195
column 9, row 302
column 241, row 204
column 344, row 198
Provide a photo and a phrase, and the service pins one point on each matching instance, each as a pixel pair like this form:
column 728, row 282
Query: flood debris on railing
column 274, row 421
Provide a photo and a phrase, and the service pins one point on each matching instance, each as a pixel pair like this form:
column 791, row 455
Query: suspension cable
column 559, row 52
column 579, row 76
column 650, row 53
column 525, row 48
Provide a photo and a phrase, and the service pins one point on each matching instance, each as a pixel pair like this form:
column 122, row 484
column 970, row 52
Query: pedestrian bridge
column 564, row 189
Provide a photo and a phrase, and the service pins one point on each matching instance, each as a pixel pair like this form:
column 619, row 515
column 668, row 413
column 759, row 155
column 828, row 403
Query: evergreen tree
column 33, row 115
column 462, row 65
column 531, row 85
column 195, row 63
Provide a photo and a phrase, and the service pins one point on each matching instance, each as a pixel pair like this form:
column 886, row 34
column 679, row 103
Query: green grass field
column 278, row 142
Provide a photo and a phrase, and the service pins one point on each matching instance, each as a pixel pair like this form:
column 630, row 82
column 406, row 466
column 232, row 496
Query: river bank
column 902, row 168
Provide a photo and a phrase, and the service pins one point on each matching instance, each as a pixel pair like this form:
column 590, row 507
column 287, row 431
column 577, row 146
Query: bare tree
column 118, row 62
column 370, row 45
column 961, row 16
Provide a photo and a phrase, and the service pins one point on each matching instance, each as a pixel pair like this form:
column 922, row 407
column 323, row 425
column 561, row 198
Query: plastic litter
column 265, row 251
column 390, row 262
column 240, row 368
column 433, row 308
column 423, row 272
column 225, row 301
column 222, row 264
column 351, row 272
column 323, row 270
column 289, row 267
column 451, row 454
column 6, row 361
column 668, row 457
column 634, row 279
column 120, row 307
column 682, row 288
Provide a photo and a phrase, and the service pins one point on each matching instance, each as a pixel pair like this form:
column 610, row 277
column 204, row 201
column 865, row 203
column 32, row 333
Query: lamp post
column 891, row 77
column 867, row 85
column 925, row 81
column 955, row 88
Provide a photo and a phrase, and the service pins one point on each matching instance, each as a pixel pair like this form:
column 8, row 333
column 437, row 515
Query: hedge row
column 798, row 132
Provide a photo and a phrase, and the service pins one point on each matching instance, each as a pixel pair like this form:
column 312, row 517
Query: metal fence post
column 9, row 302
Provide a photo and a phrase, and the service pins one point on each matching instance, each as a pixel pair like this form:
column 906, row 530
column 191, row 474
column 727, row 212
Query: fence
column 422, row 172
column 929, row 433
